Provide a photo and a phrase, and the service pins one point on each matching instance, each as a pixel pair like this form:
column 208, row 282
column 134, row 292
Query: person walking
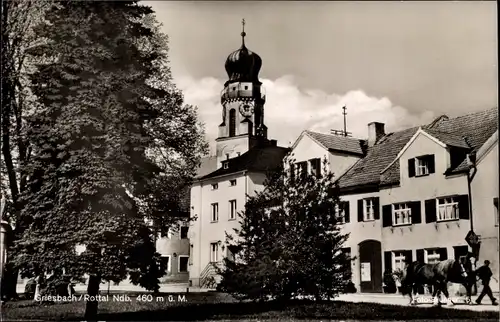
column 484, row 273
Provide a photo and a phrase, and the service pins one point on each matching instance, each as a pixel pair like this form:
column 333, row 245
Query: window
column 340, row 211
column 432, row 256
column 184, row 232
column 232, row 183
column 215, row 212
column 301, row 169
column 497, row 213
column 246, row 87
column 183, row 263
column 191, row 247
column 398, row 260
column 165, row 259
column 232, row 209
column 368, row 210
column 447, row 209
column 214, row 250
column 421, row 166
column 215, row 186
column 401, row 214
column 315, row 166
column 234, row 88
column 225, row 165
column 232, row 122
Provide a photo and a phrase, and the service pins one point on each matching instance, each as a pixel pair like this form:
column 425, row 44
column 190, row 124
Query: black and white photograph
column 249, row 161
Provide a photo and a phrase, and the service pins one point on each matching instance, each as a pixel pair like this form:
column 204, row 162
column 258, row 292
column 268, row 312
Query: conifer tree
column 289, row 243
column 112, row 134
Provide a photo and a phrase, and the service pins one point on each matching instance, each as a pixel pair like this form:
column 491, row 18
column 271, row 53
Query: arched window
column 232, row 122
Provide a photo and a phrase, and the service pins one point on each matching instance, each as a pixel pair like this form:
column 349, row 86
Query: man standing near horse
column 484, row 273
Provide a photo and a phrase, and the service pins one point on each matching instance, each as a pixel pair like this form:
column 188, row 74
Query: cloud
column 289, row 109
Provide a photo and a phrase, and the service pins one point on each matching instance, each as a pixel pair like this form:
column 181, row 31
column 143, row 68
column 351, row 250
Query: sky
column 399, row 63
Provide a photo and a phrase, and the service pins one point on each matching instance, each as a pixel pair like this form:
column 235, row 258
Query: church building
column 244, row 154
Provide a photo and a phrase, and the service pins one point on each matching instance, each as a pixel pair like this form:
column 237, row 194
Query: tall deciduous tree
column 289, row 243
column 110, row 134
column 18, row 19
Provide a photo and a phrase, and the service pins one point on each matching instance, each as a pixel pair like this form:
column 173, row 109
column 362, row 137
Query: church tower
column 242, row 100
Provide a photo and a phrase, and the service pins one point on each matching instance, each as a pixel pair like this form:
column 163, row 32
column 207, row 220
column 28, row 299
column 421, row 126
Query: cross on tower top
column 243, row 33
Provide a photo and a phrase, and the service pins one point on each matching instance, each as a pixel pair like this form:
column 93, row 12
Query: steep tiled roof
column 475, row 127
column 260, row 159
column 469, row 131
column 448, row 138
column 367, row 170
column 338, row 143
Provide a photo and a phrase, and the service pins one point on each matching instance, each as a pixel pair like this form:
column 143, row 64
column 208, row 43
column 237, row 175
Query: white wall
column 484, row 187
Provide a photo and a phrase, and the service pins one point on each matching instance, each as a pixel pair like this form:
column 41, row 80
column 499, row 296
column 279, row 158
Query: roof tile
column 338, row 143
column 467, row 131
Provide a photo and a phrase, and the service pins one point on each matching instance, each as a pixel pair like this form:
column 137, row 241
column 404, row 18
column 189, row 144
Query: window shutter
column 420, row 256
column 430, row 210
column 360, row 210
column 388, row 261
column 347, row 217
column 411, row 167
column 463, row 206
column 416, row 212
column 386, row 215
column 431, row 163
column 408, row 256
column 376, row 208
column 443, row 254
column 318, row 168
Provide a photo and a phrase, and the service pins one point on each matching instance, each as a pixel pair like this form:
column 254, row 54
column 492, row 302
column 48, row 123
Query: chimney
column 274, row 142
column 375, row 132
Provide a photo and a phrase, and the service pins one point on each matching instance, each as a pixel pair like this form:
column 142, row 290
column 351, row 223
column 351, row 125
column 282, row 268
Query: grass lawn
column 221, row 307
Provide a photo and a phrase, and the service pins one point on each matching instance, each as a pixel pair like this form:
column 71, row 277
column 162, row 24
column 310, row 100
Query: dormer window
column 232, row 182
column 215, row 186
column 421, row 166
column 225, row 165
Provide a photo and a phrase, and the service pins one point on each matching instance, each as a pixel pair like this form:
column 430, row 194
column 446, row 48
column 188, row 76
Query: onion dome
column 243, row 65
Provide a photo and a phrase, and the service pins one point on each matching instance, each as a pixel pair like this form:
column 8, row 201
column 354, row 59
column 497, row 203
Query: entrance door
column 370, row 257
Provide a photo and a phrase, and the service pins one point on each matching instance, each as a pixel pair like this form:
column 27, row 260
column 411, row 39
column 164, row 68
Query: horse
column 438, row 275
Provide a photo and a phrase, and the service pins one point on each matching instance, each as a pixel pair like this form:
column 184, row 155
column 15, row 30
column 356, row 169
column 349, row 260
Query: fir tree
column 108, row 109
column 289, row 243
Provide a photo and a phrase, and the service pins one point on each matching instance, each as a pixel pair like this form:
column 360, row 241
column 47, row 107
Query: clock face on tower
column 246, row 109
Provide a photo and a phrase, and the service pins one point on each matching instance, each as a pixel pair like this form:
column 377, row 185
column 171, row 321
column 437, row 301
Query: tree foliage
column 289, row 243
column 112, row 133
column 18, row 19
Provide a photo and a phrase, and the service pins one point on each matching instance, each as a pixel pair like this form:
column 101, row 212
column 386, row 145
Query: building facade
column 407, row 197
column 243, row 156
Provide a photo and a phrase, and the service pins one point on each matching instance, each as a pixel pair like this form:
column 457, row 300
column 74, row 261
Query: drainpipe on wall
column 472, row 166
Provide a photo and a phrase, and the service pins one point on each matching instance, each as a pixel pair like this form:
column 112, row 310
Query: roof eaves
column 346, row 152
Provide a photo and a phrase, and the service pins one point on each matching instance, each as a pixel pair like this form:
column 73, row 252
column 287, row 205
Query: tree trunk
column 9, row 283
column 92, row 303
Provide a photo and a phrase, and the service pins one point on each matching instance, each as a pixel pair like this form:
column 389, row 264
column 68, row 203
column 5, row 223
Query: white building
column 244, row 155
